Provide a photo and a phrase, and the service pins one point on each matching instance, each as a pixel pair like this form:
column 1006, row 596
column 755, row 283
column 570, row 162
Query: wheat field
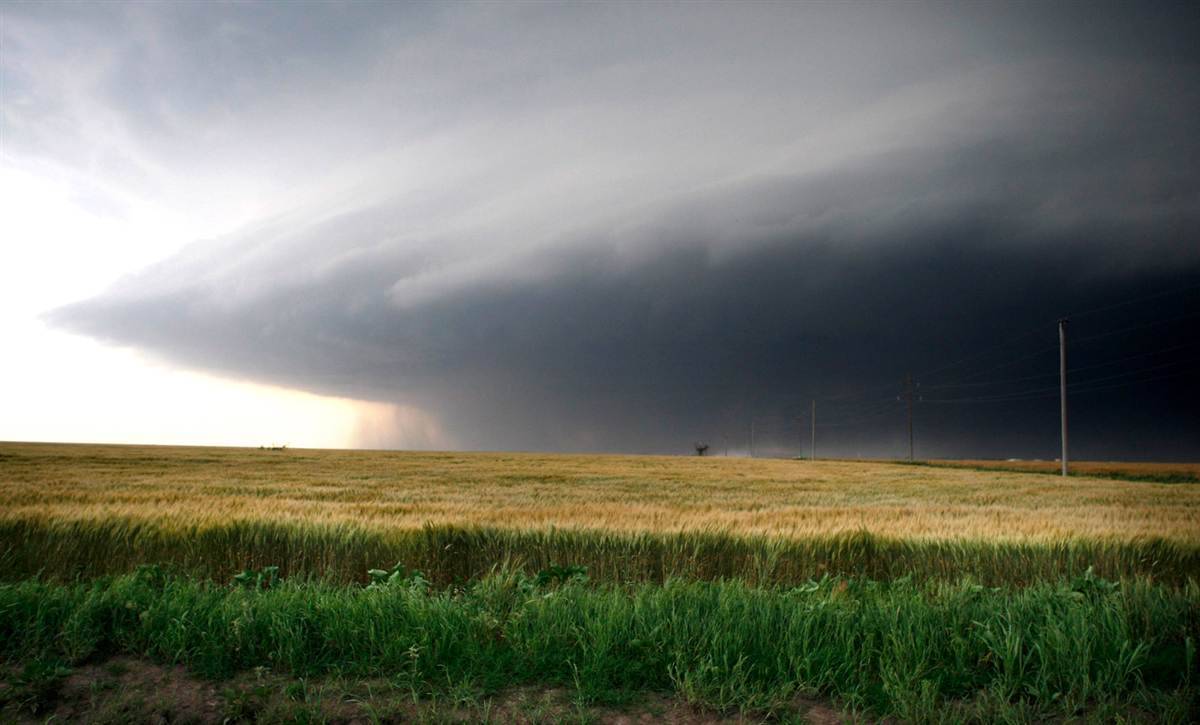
column 916, row 592
column 1119, row 470
column 71, row 508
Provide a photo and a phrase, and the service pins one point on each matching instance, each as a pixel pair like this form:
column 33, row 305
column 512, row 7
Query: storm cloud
column 626, row 228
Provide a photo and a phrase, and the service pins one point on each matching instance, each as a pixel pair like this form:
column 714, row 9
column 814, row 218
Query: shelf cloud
column 629, row 227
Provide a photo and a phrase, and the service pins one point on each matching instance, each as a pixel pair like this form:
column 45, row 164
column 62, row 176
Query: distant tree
column 701, row 447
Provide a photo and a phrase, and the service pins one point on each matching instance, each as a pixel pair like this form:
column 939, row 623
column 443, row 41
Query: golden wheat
column 189, row 487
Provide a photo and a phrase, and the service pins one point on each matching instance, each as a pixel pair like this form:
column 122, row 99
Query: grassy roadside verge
column 912, row 650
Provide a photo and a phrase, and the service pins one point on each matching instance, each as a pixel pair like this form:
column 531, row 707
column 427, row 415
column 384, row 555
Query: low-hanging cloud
column 634, row 243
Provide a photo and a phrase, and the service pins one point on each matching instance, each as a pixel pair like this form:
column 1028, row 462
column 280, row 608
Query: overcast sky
column 614, row 227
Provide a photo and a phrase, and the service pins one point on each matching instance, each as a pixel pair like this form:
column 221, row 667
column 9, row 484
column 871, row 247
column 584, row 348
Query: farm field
column 1120, row 470
column 68, row 509
column 730, row 587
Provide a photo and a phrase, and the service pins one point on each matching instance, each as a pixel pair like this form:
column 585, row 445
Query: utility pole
column 752, row 436
column 1062, row 386
column 814, row 430
column 908, row 389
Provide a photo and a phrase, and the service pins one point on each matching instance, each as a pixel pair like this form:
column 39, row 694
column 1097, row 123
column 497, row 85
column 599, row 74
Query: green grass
column 918, row 651
column 449, row 554
column 747, row 586
column 1132, row 475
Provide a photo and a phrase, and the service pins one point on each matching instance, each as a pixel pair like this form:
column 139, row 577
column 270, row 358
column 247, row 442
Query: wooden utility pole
column 752, row 436
column 814, row 430
column 1062, row 386
column 908, row 390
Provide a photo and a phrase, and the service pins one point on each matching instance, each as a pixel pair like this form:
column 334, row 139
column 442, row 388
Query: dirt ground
column 129, row 690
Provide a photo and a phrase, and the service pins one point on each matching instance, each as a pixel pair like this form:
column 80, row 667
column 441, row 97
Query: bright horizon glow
column 59, row 387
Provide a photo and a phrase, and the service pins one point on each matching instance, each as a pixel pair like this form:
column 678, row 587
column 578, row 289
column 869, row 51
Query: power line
column 1132, row 328
column 870, row 412
column 1085, row 367
column 908, row 391
column 1133, row 301
column 1047, row 393
column 1114, row 361
column 987, row 383
column 1062, row 387
column 874, row 408
column 857, row 394
column 858, row 421
column 1128, row 383
column 975, row 356
column 1140, row 370
column 1073, row 369
column 1042, row 329
column 1014, row 361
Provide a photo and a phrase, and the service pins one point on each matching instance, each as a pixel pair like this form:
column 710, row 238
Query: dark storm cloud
column 671, row 223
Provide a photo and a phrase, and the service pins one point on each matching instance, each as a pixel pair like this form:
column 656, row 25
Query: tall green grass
column 914, row 650
column 447, row 554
